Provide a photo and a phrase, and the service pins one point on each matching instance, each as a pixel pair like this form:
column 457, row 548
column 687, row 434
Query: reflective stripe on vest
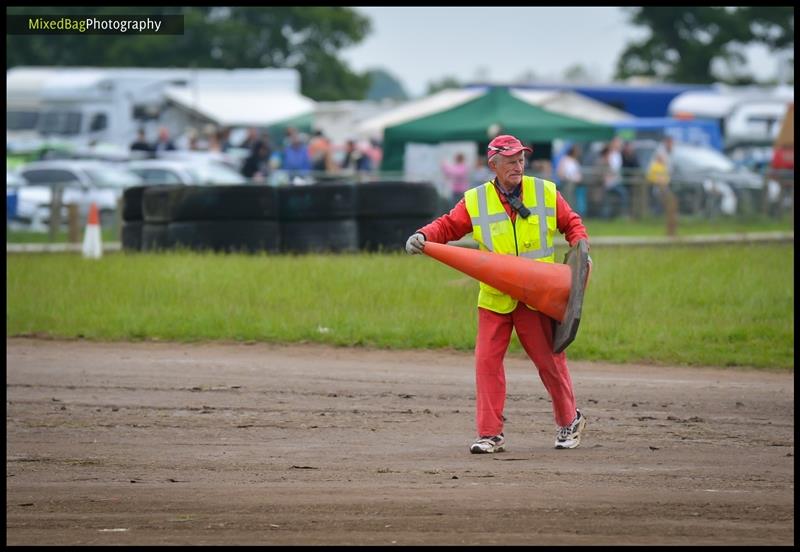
column 531, row 238
column 484, row 220
column 543, row 211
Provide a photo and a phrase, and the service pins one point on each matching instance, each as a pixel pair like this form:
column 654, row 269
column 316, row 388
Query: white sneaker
column 484, row 445
column 569, row 437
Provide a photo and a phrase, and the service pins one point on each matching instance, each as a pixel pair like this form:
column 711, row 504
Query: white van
column 85, row 106
column 747, row 116
column 24, row 105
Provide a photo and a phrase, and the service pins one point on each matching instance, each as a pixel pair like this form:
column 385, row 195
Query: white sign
column 424, row 161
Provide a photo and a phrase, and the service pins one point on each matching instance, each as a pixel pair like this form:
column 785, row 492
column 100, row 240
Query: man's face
column 509, row 169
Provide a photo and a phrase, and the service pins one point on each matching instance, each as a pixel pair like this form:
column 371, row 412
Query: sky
column 421, row 44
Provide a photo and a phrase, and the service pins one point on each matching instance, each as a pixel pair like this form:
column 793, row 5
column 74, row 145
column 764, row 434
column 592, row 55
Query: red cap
column 505, row 144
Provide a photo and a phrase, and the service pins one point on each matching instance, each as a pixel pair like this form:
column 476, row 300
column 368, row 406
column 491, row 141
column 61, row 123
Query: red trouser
column 535, row 333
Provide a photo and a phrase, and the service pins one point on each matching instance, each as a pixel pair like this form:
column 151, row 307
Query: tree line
column 686, row 44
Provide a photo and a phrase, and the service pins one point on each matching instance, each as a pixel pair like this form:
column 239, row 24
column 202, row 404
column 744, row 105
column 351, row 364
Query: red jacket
column 457, row 223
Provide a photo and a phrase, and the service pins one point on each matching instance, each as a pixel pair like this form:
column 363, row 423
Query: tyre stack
column 132, row 221
column 318, row 218
column 389, row 212
column 231, row 219
column 157, row 202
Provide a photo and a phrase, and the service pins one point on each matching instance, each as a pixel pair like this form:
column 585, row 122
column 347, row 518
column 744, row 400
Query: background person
column 658, row 177
column 141, row 143
column 164, row 142
column 296, row 160
column 610, row 169
column 504, row 224
column 257, row 165
column 571, row 177
column 355, row 160
column 659, row 173
column 319, row 149
column 457, row 176
column 250, row 140
column 224, row 139
column 631, row 169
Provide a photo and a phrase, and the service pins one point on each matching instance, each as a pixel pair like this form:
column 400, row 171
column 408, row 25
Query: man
column 611, row 166
column 295, row 156
column 569, row 173
column 319, row 149
column 355, row 159
column 141, row 143
column 164, row 142
column 512, row 215
column 250, row 141
column 665, row 151
column 257, row 164
column 659, row 173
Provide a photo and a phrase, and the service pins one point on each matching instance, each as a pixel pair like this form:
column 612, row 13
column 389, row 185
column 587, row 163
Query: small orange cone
column 92, row 246
column 543, row 286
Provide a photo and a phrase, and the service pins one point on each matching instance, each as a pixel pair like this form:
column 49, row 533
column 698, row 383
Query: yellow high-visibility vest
column 530, row 237
column 657, row 173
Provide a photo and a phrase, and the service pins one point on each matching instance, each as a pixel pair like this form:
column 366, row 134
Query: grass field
column 719, row 305
column 688, row 226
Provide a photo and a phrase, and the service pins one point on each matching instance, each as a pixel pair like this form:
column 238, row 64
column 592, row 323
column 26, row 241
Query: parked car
column 233, row 158
column 84, row 182
column 13, row 183
column 755, row 157
column 169, row 172
column 704, row 179
column 725, row 186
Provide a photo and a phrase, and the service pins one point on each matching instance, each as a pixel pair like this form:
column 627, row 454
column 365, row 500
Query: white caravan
column 85, row 106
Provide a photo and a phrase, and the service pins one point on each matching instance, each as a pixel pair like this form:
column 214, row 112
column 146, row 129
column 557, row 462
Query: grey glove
column 415, row 244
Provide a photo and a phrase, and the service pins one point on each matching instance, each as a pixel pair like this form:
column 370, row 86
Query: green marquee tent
column 472, row 120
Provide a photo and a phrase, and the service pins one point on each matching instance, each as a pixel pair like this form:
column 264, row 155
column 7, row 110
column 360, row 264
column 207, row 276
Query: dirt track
column 157, row 443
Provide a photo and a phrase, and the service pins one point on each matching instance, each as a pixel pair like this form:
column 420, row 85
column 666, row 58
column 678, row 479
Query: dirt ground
column 162, row 443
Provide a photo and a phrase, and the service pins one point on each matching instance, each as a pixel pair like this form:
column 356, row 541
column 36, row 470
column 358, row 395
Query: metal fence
column 633, row 197
column 695, row 195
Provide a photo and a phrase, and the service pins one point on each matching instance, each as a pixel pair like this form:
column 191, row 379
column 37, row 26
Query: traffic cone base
column 577, row 259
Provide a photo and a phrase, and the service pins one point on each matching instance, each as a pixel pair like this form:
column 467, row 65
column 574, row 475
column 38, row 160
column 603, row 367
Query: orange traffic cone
column 544, row 286
column 92, row 246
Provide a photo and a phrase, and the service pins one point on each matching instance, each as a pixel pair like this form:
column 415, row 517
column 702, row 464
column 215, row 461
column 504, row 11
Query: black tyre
column 319, row 236
column 397, row 199
column 132, row 203
column 240, row 202
column 230, row 236
column 154, row 237
column 132, row 235
column 328, row 201
column 158, row 203
column 388, row 234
